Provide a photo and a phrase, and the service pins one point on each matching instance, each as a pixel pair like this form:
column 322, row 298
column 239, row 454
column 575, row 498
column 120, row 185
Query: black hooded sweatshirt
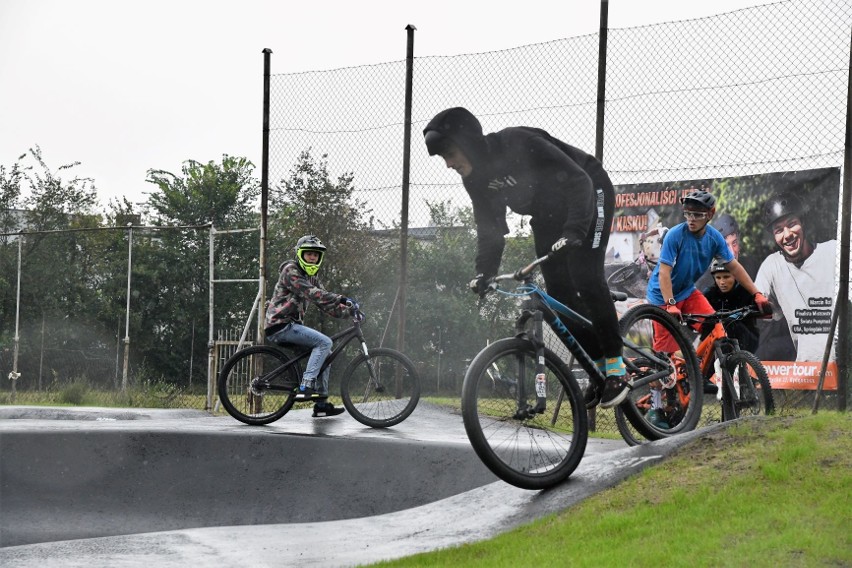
column 526, row 169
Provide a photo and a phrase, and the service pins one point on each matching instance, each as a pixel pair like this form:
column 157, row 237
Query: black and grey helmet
column 699, row 197
column 718, row 267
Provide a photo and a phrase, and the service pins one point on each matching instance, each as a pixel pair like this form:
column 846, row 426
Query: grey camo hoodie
column 293, row 293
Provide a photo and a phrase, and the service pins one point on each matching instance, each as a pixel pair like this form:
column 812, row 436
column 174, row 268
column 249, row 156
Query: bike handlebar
column 724, row 315
column 523, row 273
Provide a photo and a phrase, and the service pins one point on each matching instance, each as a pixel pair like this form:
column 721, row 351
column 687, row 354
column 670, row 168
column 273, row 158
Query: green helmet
column 309, row 243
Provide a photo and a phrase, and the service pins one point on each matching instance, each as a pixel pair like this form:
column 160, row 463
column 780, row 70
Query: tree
column 443, row 315
column 59, row 293
column 170, row 269
column 359, row 263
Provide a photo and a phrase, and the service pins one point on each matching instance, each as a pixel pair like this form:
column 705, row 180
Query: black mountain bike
column 522, row 407
column 380, row 387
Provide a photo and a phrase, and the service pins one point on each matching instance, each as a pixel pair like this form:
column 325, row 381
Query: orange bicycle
column 744, row 388
column 742, row 381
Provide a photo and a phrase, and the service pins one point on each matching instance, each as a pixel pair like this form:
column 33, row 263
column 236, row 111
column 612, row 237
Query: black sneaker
column 305, row 393
column 325, row 409
column 614, row 391
column 592, row 394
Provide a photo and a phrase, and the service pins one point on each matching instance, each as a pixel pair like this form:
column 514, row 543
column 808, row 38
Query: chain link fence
column 751, row 92
column 745, row 93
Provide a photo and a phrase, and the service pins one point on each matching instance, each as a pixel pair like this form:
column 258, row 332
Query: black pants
column 577, row 280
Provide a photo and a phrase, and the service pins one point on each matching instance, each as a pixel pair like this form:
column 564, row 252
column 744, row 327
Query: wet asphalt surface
column 133, row 487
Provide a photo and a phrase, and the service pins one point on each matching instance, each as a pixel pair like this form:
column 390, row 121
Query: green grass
column 770, row 492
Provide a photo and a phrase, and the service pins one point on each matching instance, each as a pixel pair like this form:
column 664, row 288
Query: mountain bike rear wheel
column 676, row 399
column 381, row 390
column 523, row 446
column 254, row 389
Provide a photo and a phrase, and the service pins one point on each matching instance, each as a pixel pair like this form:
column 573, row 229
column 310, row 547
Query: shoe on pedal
column 592, row 394
column 305, row 393
column 615, row 391
column 326, row 409
column 709, row 387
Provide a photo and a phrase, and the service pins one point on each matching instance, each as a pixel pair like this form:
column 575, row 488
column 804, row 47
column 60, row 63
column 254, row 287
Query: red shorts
column 695, row 303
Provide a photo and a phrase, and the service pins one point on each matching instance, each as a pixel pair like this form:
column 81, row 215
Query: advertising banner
column 782, row 229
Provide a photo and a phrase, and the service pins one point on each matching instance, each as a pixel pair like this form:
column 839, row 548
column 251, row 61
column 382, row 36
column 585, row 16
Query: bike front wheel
column 526, row 444
column 671, row 403
column 382, row 389
column 255, row 387
column 752, row 393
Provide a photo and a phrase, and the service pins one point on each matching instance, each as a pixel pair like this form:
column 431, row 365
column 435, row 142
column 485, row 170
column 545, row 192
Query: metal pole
column 602, row 39
column 406, row 171
column 843, row 290
column 264, row 191
column 14, row 374
column 210, row 342
column 127, row 310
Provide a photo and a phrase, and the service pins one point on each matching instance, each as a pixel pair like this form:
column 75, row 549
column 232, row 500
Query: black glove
column 565, row 244
column 479, row 285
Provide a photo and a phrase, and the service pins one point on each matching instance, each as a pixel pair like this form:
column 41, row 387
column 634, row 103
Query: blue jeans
column 320, row 346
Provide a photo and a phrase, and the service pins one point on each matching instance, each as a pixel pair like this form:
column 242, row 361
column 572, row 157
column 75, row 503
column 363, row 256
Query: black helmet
column 781, row 206
column 718, row 267
column 458, row 126
column 726, row 225
column 700, row 198
column 436, row 142
column 312, row 243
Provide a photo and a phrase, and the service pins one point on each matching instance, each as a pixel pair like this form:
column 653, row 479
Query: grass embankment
column 764, row 492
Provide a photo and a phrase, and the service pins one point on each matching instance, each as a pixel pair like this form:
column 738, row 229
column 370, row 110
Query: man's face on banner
column 733, row 241
column 789, row 235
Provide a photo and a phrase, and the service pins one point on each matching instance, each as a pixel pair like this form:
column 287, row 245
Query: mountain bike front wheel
column 382, row 389
column 254, row 386
column 523, row 443
column 752, row 392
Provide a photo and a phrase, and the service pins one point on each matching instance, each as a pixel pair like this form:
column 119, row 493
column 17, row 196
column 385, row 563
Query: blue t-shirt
column 689, row 256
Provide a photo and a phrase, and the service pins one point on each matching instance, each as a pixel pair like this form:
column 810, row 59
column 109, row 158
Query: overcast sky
column 123, row 87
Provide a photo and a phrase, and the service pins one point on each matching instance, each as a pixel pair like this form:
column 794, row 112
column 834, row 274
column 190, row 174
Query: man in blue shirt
column 688, row 250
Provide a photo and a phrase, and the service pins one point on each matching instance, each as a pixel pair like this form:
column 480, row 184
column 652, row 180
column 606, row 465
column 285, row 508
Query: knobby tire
column 530, row 450
column 388, row 402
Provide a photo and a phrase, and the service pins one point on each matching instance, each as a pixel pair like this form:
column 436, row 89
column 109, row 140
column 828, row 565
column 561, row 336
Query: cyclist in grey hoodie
column 570, row 200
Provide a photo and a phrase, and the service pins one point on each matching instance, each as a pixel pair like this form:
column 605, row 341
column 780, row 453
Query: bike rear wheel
column 523, row 447
column 676, row 399
column 630, row 434
column 381, row 390
column 254, row 389
column 752, row 392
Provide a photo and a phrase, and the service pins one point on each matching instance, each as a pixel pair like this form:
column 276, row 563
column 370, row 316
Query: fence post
column 845, row 223
column 127, row 310
column 264, row 190
column 601, row 106
column 406, row 171
column 14, row 374
column 210, row 341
